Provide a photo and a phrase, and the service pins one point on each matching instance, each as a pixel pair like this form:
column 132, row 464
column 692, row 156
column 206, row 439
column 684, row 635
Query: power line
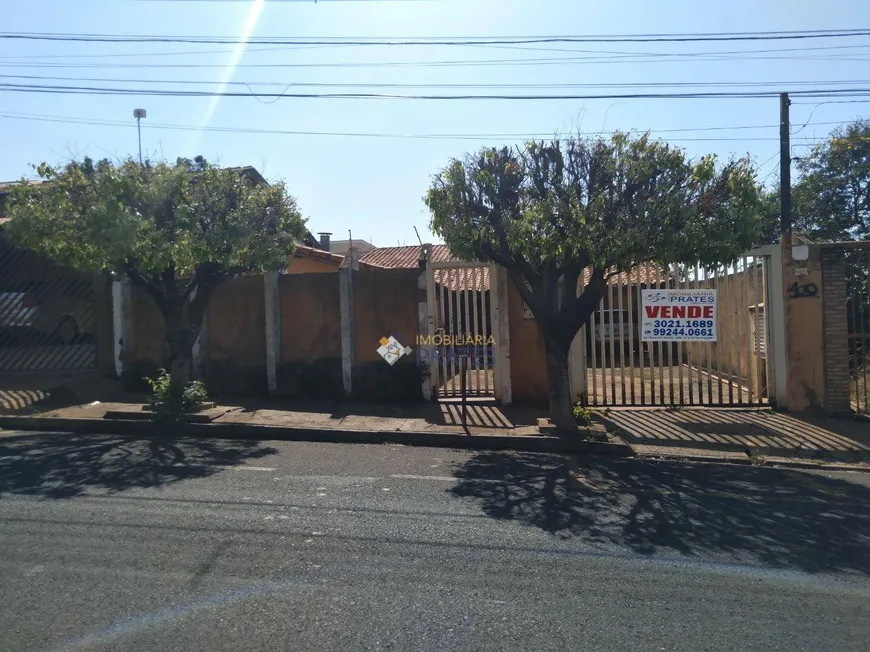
column 430, row 41
column 835, row 102
column 543, row 61
column 250, row 84
column 101, row 90
column 737, row 54
column 434, row 136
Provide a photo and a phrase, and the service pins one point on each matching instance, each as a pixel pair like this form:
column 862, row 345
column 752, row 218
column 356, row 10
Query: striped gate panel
column 47, row 317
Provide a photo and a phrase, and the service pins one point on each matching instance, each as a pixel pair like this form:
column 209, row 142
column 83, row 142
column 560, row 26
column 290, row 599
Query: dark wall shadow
column 737, row 513
column 32, row 393
column 64, row 466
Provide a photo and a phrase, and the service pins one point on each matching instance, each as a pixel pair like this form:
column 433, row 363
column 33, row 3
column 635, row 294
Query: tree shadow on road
column 64, row 466
column 774, row 516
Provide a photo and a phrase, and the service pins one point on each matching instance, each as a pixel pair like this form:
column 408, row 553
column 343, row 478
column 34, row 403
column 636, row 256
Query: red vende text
column 674, row 312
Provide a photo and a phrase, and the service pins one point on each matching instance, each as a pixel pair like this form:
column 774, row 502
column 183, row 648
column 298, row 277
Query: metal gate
column 621, row 369
column 47, row 319
column 462, row 340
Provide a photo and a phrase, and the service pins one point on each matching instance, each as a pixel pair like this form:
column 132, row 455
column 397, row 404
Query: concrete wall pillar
column 346, row 303
column 426, row 325
column 122, row 322
column 804, row 328
column 273, row 329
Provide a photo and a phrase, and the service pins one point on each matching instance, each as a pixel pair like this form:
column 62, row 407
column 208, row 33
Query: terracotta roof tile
column 464, row 278
column 408, row 257
column 644, row 275
column 405, row 257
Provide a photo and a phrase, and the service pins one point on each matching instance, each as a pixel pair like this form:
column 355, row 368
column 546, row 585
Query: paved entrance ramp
column 719, row 429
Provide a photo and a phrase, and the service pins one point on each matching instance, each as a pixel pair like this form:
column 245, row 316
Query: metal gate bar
column 485, row 325
column 760, row 318
column 679, row 285
column 475, row 360
column 741, row 301
column 629, row 288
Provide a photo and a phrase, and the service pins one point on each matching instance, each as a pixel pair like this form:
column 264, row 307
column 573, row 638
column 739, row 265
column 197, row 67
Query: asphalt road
column 115, row 544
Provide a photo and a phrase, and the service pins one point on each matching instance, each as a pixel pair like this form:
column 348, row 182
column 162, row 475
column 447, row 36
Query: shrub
column 582, row 415
column 169, row 401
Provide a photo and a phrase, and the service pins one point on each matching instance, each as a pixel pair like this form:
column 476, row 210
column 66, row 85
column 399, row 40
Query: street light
column 139, row 114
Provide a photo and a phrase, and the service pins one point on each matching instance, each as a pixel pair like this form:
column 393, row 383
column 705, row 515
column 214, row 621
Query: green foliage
column 755, row 458
column 171, row 400
column 148, row 219
column 601, row 202
column 832, row 196
column 582, row 415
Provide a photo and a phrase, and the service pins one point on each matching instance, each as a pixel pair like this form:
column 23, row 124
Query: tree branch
column 148, row 286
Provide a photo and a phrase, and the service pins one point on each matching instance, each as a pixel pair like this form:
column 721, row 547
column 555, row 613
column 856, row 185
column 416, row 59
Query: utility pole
column 139, row 114
column 784, row 169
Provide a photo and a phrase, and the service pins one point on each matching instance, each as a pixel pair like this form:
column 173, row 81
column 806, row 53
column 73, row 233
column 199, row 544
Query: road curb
column 525, row 443
column 777, row 463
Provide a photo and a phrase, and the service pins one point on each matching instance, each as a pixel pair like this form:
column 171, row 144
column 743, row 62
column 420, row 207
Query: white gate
column 461, row 342
column 621, row 368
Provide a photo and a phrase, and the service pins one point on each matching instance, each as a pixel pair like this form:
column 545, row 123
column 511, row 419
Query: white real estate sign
column 678, row 315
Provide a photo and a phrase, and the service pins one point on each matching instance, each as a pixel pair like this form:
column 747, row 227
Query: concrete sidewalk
column 707, row 434
column 483, row 417
column 488, row 426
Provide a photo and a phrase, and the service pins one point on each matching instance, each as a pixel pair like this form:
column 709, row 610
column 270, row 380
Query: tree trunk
column 561, row 409
column 180, row 339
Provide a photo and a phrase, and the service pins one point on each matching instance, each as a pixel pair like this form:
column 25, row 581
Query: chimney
column 324, row 240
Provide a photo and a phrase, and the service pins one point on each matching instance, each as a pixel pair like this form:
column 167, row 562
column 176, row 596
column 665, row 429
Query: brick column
column 836, row 332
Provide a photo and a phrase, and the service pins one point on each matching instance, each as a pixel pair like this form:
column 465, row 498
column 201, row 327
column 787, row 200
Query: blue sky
column 373, row 186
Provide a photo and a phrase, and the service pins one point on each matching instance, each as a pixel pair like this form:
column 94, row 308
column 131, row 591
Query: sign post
column 678, row 315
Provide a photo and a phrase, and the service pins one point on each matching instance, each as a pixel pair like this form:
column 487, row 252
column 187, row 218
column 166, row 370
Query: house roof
column 409, row 258
column 643, row 275
column 406, row 257
column 305, row 251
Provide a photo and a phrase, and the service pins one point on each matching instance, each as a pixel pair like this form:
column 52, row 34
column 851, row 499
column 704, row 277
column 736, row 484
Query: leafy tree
column 549, row 210
column 832, row 196
column 178, row 231
column 769, row 229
